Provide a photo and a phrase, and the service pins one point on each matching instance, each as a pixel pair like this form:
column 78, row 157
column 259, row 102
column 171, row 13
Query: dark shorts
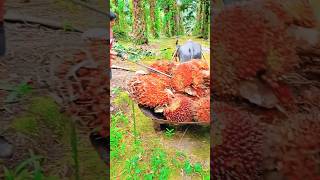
column 2, row 40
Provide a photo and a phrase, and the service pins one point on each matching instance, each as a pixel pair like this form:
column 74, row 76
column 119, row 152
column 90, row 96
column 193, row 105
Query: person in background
column 2, row 35
column 102, row 142
column 113, row 54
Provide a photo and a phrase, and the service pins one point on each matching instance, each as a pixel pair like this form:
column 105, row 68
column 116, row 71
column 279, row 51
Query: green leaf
column 197, row 168
column 187, row 168
column 148, row 177
column 9, row 175
column 24, row 164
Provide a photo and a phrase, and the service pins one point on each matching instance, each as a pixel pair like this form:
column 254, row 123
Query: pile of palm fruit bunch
column 83, row 85
column 182, row 97
column 267, row 119
column 257, row 41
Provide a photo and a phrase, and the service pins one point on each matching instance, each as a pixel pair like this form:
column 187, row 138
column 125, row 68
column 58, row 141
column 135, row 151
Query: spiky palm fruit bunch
column 296, row 148
column 194, row 72
column 84, row 87
column 201, row 109
column 149, row 91
column 181, row 76
column 179, row 109
column 174, row 96
column 164, row 79
column 250, row 42
column 237, row 144
column 293, row 12
column 163, row 66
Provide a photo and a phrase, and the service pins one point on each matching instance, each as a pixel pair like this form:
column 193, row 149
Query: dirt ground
column 32, row 50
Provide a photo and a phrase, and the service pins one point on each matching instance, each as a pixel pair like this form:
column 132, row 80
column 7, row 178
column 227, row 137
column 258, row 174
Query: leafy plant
column 27, row 124
column 74, row 148
column 48, row 112
column 188, row 169
column 132, row 167
column 21, row 171
column 169, row 133
column 134, row 54
column 159, row 164
column 21, row 90
column 198, row 168
column 116, row 135
column 67, row 26
column 116, row 90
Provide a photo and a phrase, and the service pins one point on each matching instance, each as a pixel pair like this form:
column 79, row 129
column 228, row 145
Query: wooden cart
column 159, row 120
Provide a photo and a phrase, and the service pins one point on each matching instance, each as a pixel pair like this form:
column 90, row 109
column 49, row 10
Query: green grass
column 42, row 112
column 48, row 112
column 44, row 116
column 26, row 124
column 29, row 169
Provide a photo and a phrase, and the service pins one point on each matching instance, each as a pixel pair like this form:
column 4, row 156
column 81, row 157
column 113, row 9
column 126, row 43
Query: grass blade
column 74, row 146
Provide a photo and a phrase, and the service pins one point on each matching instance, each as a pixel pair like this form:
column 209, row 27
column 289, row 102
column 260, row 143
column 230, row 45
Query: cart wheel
column 157, row 126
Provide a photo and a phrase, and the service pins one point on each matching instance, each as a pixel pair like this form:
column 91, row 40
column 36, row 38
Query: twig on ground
column 185, row 131
column 122, row 68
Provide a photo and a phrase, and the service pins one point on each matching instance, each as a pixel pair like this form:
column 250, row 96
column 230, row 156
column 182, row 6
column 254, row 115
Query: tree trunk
column 167, row 20
column 199, row 18
column 174, row 17
column 152, row 17
column 139, row 24
column 206, row 14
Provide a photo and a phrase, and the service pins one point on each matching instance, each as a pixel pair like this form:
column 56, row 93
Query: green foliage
column 19, row 91
column 159, row 164
column 134, row 54
column 172, row 18
column 49, row 112
column 74, row 149
column 116, row 135
column 67, row 26
column 187, row 167
column 22, row 172
column 169, row 133
column 27, row 124
column 42, row 112
column 166, row 53
column 122, row 99
column 116, row 90
column 198, row 168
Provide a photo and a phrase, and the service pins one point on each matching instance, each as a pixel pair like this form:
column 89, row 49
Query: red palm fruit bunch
column 149, row 91
column 193, row 73
column 174, row 96
column 248, row 43
column 163, row 66
column 181, row 76
column 237, row 144
column 200, row 73
column 85, row 88
column 296, row 148
column 179, row 109
column 293, row 12
column 164, row 79
column 201, row 109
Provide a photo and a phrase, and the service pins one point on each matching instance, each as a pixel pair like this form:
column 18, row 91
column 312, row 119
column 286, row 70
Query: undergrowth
column 140, row 154
column 29, row 169
column 42, row 118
